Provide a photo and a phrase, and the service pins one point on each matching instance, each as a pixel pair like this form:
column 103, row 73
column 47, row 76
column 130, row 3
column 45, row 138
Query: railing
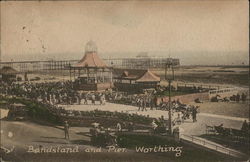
column 213, row 146
column 207, row 86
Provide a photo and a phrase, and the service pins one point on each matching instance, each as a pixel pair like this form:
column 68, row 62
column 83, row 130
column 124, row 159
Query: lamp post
column 169, row 76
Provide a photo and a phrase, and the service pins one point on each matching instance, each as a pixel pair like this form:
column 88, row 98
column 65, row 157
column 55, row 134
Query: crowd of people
column 235, row 98
column 51, row 92
column 55, row 93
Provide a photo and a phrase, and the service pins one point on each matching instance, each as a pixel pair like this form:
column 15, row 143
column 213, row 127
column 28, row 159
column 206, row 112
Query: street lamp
column 169, row 76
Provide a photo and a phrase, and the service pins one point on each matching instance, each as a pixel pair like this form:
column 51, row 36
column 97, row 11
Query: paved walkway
column 117, row 107
column 189, row 127
column 223, row 117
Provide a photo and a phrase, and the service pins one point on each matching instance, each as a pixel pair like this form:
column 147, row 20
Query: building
column 143, row 61
column 135, row 80
column 91, row 73
column 8, row 74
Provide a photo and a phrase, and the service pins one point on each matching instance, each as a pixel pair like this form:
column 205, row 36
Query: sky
column 197, row 32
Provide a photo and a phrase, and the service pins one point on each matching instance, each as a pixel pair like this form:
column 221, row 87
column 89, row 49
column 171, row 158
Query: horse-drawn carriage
column 101, row 136
column 17, row 112
column 239, row 134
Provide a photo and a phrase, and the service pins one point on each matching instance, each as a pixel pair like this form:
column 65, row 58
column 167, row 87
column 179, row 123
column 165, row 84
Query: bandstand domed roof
column 91, row 58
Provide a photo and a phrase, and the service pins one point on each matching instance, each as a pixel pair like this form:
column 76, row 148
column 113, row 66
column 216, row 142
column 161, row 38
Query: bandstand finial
column 90, row 47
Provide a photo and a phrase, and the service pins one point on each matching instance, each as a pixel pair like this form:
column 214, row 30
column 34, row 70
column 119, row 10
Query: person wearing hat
column 194, row 112
column 154, row 125
column 66, row 130
column 118, row 127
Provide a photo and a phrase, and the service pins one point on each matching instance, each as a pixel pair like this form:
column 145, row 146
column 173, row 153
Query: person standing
column 93, row 99
column 245, row 127
column 144, row 104
column 139, row 103
column 243, row 97
column 103, row 99
column 79, row 98
column 151, row 103
column 154, row 125
column 155, row 103
column 66, row 130
column 86, row 98
column 194, row 112
column 237, row 97
column 118, row 127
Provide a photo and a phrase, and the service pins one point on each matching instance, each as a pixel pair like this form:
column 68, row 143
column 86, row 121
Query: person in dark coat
column 93, row 99
column 243, row 97
column 139, row 103
column 85, row 98
column 66, row 130
column 144, row 104
column 237, row 97
column 194, row 112
column 245, row 126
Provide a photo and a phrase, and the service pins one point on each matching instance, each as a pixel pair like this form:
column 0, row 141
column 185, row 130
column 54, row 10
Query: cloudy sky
column 206, row 30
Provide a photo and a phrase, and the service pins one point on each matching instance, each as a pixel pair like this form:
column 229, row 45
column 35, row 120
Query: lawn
column 228, row 142
column 35, row 110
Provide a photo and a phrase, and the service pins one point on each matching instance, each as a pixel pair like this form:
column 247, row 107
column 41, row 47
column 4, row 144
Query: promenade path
column 190, row 129
column 117, row 107
column 188, row 126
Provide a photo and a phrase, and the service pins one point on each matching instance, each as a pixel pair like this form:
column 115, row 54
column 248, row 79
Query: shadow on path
column 80, row 142
column 51, row 137
column 87, row 134
column 52, row 142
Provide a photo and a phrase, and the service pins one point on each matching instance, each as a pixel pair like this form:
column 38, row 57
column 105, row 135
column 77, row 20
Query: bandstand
column 91, row 73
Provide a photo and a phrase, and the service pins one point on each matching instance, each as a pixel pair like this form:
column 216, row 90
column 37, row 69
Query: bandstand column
column 95, row 75
column 87, row 73
column 70, row 72
column 74, row 74
column 103, row 75
column 111, row 75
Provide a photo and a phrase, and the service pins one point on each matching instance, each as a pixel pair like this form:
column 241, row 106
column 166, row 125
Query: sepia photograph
column 124, row 81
